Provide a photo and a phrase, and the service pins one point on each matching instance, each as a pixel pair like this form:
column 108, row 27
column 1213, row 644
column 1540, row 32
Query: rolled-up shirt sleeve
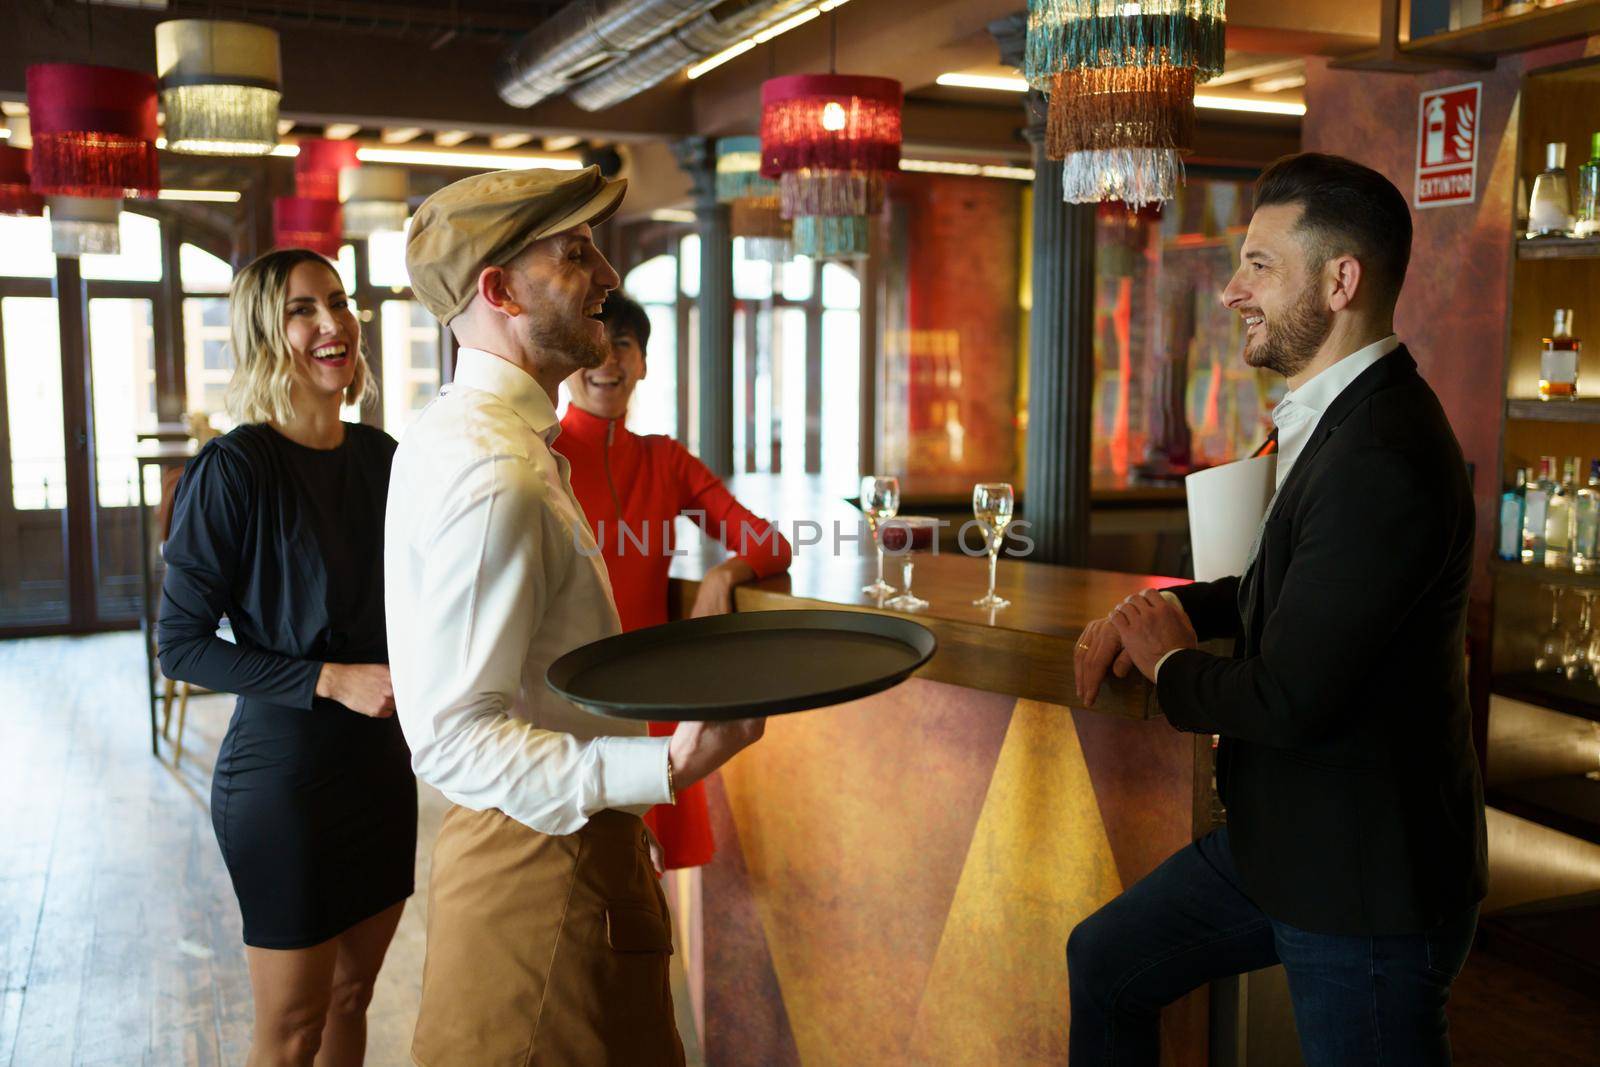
column 484, row 572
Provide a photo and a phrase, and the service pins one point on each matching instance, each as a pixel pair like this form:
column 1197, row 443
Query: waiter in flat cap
column 548, row 935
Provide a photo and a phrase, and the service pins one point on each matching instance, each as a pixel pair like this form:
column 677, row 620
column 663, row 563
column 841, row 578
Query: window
column 140, row 258
column 410, row 362
column 122, row 354
column 203, row 272
column 207, row 358
column 654, row 408
column 32, row 339
column 26, row 245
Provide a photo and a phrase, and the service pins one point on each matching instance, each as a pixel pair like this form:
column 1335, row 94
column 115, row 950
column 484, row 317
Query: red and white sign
column 1447, row 146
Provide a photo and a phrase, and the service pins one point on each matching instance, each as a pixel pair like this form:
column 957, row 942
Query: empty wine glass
column 1553, row 642
column 908, row 535
column 1575, row 656
column 880, row 501
column 992, row 505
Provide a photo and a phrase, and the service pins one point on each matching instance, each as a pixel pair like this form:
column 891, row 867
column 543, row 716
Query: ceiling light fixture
column 202, row 196
column 762, row 37
column 422, row 157
column 1260, row 107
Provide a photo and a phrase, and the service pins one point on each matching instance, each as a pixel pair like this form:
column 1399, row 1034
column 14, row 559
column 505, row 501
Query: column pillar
column 698, row 157
column 1060, row 344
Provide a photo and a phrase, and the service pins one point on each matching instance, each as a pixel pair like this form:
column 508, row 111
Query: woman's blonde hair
column 263, row 372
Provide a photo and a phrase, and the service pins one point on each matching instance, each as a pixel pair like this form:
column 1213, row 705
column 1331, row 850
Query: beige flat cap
column 487, row 219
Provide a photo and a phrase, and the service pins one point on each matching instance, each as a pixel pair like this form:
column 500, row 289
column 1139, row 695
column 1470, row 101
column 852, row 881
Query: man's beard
column 1292, row 341
column 557, row 334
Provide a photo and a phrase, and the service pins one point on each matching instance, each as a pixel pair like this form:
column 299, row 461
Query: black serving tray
column 742, row 665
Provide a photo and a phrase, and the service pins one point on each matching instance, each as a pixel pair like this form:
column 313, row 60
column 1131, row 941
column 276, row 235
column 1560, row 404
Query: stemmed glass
column 908, row 535
column 992, row 505
column 880, row 501
column 1553, row 642
column 1575, row 656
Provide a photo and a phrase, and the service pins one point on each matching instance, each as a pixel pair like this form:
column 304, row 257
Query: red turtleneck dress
column 632, row 487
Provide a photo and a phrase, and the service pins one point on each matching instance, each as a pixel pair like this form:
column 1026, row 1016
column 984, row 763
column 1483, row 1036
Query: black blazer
column 1346, row 762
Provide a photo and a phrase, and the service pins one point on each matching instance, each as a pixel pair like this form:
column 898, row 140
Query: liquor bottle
column 1558, row 518
column 1512, row 502
column 1536, row 507
column 1550, row 209
column 1589, row 192
column 1586, row 522
column 1558, row 364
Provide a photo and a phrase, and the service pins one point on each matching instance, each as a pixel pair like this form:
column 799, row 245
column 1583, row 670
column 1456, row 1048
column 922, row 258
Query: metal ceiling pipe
column 721, row 27
column 582, row 39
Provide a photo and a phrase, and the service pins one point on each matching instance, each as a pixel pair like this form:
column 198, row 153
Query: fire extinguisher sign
column 1447, row 146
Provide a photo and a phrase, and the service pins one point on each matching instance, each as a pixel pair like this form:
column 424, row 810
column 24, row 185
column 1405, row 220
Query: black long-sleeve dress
column 314, row 805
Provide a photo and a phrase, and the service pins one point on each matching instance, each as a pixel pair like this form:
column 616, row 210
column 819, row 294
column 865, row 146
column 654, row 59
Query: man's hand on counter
column 1149, row 626
column 716, row 588
column 1099, row 650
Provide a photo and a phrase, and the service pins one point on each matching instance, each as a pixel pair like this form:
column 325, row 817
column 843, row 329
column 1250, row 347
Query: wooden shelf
column 1570, row 803
column 1558, row 247
column 1541, row 575
column 1576, row 18
column 1532, row 409
column 1560, row 938
column 1578, row 699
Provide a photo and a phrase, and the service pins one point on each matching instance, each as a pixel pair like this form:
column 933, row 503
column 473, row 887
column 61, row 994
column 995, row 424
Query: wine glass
column 880, row 501
column 907, row 535
column 992, row 505
column 1553, row 642
column 1575, row 656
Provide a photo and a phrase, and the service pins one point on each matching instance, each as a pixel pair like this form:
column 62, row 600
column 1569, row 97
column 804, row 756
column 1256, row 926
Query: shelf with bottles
column 1532, row 409
column 1569, row 803
column 1539, row 574
column 1494, row 28
column 1555, row 524
column 1557, row 247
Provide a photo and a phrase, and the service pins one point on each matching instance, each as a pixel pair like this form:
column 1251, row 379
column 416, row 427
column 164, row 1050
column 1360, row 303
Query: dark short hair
column 1349, row 209
column 623, row 314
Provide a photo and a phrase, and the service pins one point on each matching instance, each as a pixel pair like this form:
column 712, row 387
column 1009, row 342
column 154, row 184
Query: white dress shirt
column 1298, row 413
column 491, row 573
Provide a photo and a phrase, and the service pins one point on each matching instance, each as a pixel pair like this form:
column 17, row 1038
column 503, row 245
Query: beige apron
column 545, row 951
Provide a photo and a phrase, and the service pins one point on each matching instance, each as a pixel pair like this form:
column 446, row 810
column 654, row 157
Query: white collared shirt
column 1298, row 413
column 490, row 574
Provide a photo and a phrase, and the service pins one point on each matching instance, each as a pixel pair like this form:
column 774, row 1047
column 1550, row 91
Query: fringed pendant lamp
column 374, row 199
column 219, row 86
column 752, row 200
column 1120, row 79
column 317, row 167
column 830, row 140
column 94, row 131
column 84, row 225
column 306, row 222
column 16, row 194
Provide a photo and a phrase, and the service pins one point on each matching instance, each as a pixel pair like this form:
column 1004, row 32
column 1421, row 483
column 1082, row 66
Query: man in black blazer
column 1354, row 846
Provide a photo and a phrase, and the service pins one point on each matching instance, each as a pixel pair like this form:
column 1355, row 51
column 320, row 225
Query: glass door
column 122, row 360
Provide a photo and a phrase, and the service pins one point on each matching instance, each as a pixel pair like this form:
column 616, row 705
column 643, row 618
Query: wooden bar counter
column 896, row 878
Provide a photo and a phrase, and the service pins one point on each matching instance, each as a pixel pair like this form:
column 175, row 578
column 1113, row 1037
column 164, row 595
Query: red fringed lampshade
column 16, row 198
column 828, row 140
column 94, row 131
column 317, row 167
column 304, row 222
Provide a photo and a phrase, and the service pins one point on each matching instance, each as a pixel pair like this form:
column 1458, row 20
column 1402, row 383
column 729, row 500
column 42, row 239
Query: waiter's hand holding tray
column 742, row 665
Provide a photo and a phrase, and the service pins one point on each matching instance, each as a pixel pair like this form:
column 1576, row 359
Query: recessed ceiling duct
column 720, row 27
column 582, row 39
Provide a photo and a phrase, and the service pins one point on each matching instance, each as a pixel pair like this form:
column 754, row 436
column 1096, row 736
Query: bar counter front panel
column 896, row 877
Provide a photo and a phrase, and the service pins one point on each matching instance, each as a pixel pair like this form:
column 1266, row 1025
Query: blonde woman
column 279, row 526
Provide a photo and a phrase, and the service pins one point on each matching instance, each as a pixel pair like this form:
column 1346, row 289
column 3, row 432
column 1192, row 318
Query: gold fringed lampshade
column 85, row 225
column 219, row 86
column 374, row 199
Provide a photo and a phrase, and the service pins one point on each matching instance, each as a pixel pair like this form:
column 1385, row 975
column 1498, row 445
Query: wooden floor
column 119, row 935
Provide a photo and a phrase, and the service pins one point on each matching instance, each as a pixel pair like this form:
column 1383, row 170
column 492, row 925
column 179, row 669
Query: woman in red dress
column 632, row 487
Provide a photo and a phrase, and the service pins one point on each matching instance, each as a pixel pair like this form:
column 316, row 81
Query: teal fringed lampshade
column 1120, row 78
column 753, row 200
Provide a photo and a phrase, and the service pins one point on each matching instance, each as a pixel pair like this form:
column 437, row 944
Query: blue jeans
column 1370, row 1001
